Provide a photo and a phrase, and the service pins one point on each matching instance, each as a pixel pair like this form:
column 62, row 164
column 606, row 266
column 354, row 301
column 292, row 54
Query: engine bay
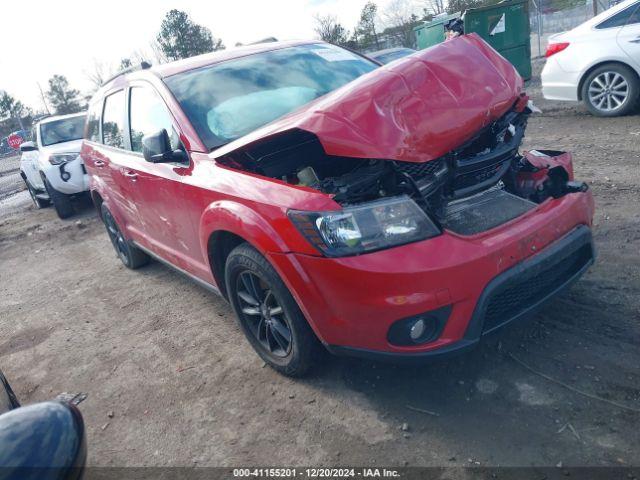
column 483, row 183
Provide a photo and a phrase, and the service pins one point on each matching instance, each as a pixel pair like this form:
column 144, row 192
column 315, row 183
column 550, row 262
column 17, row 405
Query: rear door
column 92, row 153
column 629, row 36
column 167, row 225
column 118, row 160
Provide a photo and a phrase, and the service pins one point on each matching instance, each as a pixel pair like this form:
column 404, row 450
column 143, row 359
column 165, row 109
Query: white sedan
column 598, row 62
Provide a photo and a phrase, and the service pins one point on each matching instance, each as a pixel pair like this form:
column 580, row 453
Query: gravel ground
column 166, row 359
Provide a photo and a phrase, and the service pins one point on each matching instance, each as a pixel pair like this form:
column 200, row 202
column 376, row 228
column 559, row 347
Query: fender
column 239, row 219
column 246, row 223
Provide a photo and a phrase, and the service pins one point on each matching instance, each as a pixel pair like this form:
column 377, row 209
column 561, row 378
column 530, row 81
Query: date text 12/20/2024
column 315, row 472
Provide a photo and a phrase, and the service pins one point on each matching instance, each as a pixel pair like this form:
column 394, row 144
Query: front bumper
column 351, row 302
column 69, row 178
column 498, row 305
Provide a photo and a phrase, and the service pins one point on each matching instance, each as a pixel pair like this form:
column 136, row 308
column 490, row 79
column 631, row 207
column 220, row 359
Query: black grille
column 419, row 170
column 480, row 175
column 522, row 293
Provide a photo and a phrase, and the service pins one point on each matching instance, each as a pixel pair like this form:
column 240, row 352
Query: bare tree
column 99, row 72
column 400, row 18
column 330, row 30
column 158, row 53
column 102, row 70
column 434, row 7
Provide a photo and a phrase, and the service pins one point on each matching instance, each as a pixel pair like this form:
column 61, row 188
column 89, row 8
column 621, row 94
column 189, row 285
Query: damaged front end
column 465, row 174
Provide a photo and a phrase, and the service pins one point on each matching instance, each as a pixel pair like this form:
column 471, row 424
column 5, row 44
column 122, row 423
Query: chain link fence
column 10, row 180
column 548, row 17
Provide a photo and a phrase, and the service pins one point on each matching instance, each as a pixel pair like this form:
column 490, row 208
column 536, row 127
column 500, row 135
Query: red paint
column 415, row 110
column 531, row 181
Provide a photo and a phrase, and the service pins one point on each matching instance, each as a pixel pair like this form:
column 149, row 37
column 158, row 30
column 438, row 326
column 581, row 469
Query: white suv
column 51, row 165
column 597, row 62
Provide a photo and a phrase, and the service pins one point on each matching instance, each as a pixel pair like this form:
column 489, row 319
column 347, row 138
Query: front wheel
column 61, row 202
column 611, row 90
column 268, row 314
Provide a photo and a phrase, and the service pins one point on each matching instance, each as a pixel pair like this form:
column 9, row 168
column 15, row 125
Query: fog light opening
column 417, row 330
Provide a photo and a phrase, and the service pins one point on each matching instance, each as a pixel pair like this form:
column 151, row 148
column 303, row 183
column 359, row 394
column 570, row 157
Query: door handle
column 131, row 175
column 98, row 163
column 635, row 40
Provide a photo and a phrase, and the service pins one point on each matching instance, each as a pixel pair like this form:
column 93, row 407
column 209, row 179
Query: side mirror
column 28, row 147
column 45, row 440
column 156, row 148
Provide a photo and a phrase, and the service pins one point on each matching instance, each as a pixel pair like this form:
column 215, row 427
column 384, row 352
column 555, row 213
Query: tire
column 38, row 202
column 611, row 90
column 61, row 202
column 256, row 292
column 131, row 256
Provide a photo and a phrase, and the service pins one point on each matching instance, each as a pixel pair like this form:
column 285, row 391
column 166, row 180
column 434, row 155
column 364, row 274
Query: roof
column 167, row 69
column 53, row 118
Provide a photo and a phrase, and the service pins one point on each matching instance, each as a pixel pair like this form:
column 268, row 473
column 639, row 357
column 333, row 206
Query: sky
column 68, row 37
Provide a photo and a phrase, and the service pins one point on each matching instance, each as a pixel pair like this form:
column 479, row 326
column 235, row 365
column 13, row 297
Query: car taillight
column 554, row 48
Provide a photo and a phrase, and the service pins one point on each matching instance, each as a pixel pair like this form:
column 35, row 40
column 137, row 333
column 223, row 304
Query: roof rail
column 133, row 68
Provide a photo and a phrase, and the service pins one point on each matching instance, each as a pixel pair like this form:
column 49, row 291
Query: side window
column 635, row 16
column 113, row 120
column 92, row 128
column 148, row 114
column 627, row 16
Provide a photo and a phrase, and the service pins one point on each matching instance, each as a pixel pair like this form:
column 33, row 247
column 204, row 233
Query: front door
column 167, row 226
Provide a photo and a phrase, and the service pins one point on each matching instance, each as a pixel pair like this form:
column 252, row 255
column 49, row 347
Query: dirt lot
column 185, row 388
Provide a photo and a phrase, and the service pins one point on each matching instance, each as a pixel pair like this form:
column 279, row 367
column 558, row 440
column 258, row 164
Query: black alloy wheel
column 131, row 256
column 263, row 314
column 268, row 315
column 116, row 237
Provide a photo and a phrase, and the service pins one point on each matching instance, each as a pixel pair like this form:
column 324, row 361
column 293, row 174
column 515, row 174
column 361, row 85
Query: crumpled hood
column 415, row 109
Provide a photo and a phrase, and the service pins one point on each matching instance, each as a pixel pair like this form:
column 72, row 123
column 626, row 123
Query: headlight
column 60, row 158
column 363, row 228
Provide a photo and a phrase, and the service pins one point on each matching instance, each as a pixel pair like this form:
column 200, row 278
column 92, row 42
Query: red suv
column 378, row 211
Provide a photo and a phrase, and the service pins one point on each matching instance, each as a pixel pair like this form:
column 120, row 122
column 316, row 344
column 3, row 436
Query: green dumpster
column 504, row 26
column 432, row 33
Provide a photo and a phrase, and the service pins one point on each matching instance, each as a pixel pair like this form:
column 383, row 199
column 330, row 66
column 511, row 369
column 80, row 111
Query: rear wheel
column 130, row 256
column 611, row 90
column 61, row 202
column 268, row 314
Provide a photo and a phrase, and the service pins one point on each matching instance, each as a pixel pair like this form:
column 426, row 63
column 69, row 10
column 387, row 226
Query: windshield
column 228, row 100
column 64, row 130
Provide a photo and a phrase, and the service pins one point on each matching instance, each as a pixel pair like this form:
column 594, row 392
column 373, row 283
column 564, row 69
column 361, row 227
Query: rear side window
column 113, row 120
column 626, row 17
column 148, row 115
column 92, row 128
